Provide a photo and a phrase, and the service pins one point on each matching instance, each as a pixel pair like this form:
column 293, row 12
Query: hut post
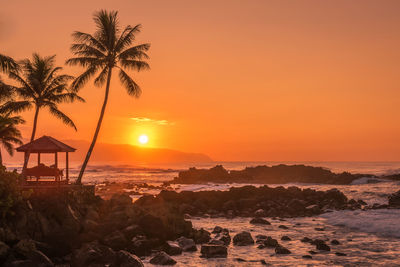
column 38, row 159
column 55, row 160
column 67, row 166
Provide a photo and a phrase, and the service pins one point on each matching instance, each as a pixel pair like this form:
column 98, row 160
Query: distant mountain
column 124, row 154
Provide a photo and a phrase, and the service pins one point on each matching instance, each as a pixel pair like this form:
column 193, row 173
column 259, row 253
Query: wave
column 383, row 222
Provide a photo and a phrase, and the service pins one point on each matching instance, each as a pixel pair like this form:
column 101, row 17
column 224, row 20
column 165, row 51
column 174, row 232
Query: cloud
column 148, row 120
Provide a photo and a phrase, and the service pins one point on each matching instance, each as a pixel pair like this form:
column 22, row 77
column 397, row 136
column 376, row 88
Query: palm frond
column 135, row 52
column 60, row 115
column 132, row 88
column 15, row 107
column 99, row 81
column 127, row 37
column 137, row 65
column 83, row 78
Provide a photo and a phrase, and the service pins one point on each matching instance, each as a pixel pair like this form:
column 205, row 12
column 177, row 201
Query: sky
column 248, row 80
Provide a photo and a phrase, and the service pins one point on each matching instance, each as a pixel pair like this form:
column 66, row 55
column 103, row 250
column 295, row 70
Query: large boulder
column 162, row 258
column 186, row 244
column 259, row 220
column 92, row 254
column 214, row 251
column 243, row 239
column 126, row 259
column 116, row 240
column 4, row 250
column 394, row 199
column 172, row 248
column 201, row 236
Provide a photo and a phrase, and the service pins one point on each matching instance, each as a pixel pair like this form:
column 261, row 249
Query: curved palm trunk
column 35, row 119
column 1, row 159
column 96, row 133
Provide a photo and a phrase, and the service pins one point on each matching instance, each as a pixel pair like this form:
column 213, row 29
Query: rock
column 285, row 238
column 131, row 231
column 4, row 250
column 323, row 246
column 240, row 260
column 282, row 250
column 126, row 259
column 217, row 229
column 21, row 263
column 186, row 244
column 40, row 259
column 259, row 221
column 224, row 237
column 307, row 257
column 93, row 253
column 306, row 240
column 116, row 240
column 260, row 213
column 216, row 242
column 319, row 229
column 172, row 248
column 201, row 236
column 340, row 254
column 118, row 200
column 24, row 247
column 263, row 262
column 270, row 242
column 335, row 242
column 90, row 226
column 162, row 258
column 313, row 209
column 283, row 226
column 214, row 251
column 153, row 226
column 243, row 239
column 394, row 199
column 312, row 252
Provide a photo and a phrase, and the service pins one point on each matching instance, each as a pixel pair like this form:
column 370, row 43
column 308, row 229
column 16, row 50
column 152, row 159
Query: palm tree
column 6, row 64
column 106, row 49
column 9, row 134
column 40, row 86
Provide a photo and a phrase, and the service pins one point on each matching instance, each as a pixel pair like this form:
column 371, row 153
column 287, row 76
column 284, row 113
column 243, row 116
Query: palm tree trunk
column 1, row 159
column 96, row 133
column 35, row 119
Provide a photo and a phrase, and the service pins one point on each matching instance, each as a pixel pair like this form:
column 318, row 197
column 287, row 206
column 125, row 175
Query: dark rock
column 40, row 259
column 214, row 251
column 263, row 262
column 4, row 250
column 285, row 238
column 243, row 239
column 283, row 226
column 307, row 257
column 91, row 254
column 312, row 252
column 323, row 246
column 270, row 242
column 319, row 229
column 162, row 258
column 186, row 244
column 240, row 260
column 132, row 230
column 201, row 236
column 340, row 254
column 217, row 229
column 282, row 250
column 394, row 199
column 259, row 220
column 306, row 240
column 116, row 240
column 260, row 213
column 172, row 248
column 126, row 259
column 153, row 226
column 335, row 242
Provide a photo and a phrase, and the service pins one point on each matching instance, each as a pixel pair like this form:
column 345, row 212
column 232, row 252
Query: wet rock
column 40, row 259
column 201, row 236
column 172, row 248
column 323, row 246
column 259, row 220
column 217, row 229
column 319, row 229
column 282, row 250
column 153, row 226
column 224, row 237
column 214, row 251
column 116, row 240
column 307, row 257
column 243, row 239
column 312, row 252
column 131, row 231
column 335, row 242
column 186, row 244
column 93, row 253
column 270, row 242
column 25, row 247
column 162, row 258
column 306, row 240
column 126, row 259
column 240, row 260
column 283, row 227
column 285, row 238
column 340, row 254
column 260, row 213
column 118, row 200
column 263, row 262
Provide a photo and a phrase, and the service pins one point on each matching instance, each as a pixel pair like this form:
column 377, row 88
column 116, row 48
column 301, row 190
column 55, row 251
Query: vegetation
column 9, row 134
column 108, row 48
column 10, row 195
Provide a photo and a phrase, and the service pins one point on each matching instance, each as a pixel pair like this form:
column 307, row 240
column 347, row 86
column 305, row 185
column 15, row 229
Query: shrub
column 10, row 194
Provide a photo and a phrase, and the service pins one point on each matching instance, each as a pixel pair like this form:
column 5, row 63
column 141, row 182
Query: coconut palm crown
column 9, row 134
column 108, row 48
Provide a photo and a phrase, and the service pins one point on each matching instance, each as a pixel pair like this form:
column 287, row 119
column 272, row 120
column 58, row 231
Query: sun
column 143, row 139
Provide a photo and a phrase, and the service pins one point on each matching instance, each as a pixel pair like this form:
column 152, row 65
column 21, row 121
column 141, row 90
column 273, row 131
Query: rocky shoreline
column 278, row 174
column 77, row 228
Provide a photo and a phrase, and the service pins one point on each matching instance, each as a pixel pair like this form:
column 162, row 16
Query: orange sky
column 237, row 80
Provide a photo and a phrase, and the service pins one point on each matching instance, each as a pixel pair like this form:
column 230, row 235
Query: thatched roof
column 45, row 144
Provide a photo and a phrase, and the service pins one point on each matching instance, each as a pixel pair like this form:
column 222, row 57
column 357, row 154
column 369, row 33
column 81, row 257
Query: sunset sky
column 236, row 80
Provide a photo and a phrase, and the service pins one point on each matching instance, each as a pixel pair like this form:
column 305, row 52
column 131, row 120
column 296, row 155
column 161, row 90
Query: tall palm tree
column 40, row 86
column 9, row 134
column 108, row 48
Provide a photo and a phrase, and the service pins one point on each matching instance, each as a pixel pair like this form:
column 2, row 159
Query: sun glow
column 143, row 139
